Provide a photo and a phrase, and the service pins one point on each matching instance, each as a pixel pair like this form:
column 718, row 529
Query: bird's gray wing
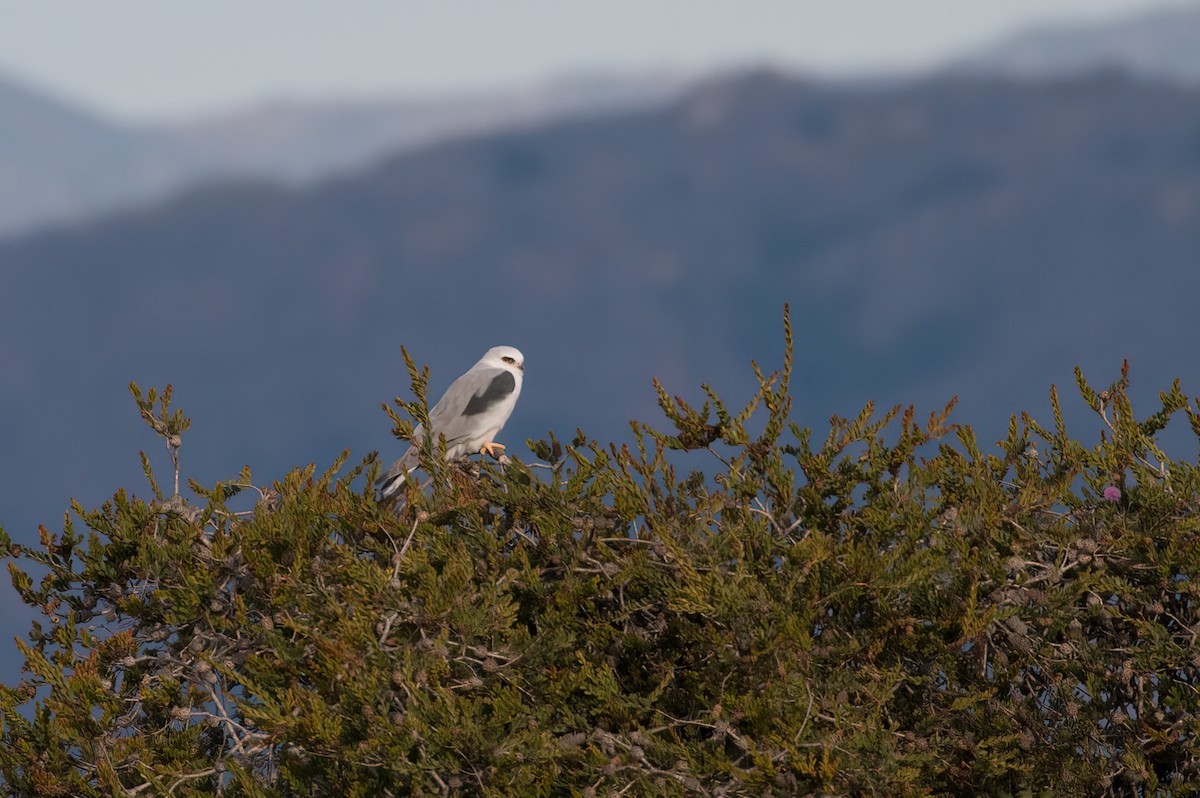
column 471, row 395
column 499, row 388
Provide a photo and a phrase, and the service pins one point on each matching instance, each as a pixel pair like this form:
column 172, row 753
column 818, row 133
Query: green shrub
column 886, row 611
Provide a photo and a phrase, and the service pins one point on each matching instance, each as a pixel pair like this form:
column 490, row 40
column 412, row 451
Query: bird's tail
column 393, row 479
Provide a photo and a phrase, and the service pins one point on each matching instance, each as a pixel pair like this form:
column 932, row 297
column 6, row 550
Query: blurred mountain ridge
column 61, row 164
column 58, row 162
column 1162, row 44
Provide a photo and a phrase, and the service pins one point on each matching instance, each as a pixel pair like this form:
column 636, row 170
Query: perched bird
column 469, row 414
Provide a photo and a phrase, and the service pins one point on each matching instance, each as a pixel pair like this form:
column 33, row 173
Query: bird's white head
column 504, row 357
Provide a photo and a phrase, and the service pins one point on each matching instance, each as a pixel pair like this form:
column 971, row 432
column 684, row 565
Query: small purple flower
column 1112, row 493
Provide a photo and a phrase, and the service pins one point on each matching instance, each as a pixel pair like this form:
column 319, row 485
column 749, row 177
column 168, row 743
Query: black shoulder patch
column 501, row 386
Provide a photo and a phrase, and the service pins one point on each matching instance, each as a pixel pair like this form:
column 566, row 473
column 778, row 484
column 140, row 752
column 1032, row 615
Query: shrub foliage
column 733, row 607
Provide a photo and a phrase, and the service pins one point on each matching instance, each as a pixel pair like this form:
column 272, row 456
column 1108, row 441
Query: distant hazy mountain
column 58, row 162
column 1158, row 44
column 301, row 141
column 61, row 164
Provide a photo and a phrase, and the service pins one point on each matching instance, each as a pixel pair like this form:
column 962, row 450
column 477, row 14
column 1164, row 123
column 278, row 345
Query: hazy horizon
column 134, row 61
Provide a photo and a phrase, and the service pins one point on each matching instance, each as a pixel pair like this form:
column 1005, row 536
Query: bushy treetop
column 737, row 606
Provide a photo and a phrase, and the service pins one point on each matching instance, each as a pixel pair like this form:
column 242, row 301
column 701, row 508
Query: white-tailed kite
column 469, row 414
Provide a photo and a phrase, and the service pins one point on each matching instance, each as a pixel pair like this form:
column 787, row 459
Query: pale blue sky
column 153, row 59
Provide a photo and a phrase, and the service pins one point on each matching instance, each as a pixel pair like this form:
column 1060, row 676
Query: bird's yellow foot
column 490, row 449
